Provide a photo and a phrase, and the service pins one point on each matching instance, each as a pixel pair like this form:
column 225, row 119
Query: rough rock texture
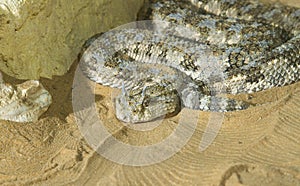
column 25, row 102
column 42, row 38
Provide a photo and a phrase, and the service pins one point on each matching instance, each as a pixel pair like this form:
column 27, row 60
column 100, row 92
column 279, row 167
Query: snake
column 194, row 54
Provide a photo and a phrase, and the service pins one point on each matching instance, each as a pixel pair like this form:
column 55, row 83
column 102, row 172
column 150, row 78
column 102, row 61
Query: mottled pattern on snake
column 253, row 46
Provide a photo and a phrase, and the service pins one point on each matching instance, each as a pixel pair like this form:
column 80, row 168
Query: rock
column 42, row 38
column 24, row 103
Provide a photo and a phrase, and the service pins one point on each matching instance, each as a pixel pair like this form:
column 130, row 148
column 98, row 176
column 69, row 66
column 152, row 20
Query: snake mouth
column 147, row 103
column 149, row 114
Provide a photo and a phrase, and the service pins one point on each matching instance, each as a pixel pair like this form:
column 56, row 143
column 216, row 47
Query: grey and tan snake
column 209, row 47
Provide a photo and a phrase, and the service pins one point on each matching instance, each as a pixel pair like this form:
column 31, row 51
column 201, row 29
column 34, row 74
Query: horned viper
column 195, row 50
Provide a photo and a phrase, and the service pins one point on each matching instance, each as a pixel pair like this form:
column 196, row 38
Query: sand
column 257, row 146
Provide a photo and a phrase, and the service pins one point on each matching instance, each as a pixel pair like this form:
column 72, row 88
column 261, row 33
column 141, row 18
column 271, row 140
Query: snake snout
column 146, row 103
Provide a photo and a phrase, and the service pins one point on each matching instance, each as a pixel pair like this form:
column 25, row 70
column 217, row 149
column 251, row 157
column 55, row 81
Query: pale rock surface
column 25, row 102
column 42, row 38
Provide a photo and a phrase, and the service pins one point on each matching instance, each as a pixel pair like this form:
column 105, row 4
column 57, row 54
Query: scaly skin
column 221, row 47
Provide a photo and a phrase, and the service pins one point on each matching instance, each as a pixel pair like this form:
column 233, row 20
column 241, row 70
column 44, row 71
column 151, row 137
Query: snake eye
column 146, row 102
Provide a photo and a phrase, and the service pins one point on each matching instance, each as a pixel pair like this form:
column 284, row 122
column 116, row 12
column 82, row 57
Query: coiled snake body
column 231, row 47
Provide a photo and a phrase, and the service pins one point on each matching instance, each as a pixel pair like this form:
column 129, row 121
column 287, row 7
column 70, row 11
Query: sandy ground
column 258, row 146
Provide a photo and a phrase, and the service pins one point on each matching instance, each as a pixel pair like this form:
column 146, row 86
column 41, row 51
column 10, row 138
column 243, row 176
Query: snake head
column 146, row 102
